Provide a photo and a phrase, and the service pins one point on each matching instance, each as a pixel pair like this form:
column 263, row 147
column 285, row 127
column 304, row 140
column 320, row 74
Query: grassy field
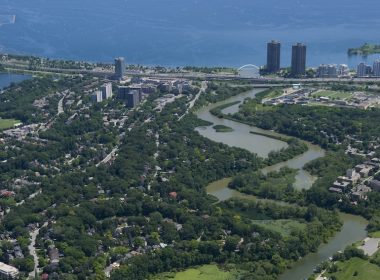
column 341, row 95
column 285, row 227
column 356, row 269
column 206, row 272
column 270, row 93
column 374, row 234
column 222, row 128
column 7, row 123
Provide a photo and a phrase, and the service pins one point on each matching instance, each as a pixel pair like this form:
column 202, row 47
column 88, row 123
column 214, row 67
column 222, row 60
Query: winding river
column 353, row 226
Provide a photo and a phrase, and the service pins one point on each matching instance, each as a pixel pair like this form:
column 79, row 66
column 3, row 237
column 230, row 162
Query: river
column 353, row 226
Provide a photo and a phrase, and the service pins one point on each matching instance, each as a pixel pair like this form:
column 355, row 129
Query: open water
column 189, row 32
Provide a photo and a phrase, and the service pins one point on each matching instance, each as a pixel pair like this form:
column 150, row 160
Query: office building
column 298, row 60
column 273, row 56
column 327, row 71
column 376, row 68
column 363, row 70
column 8, row 272
column 119, row 68
column 106, row 91
column 131, row 97
column 97, row 96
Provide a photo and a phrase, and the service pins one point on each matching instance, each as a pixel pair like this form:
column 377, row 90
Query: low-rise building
column 360, row 192
column 8, row 272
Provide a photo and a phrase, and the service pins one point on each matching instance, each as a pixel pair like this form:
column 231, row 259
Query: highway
column 184, row 75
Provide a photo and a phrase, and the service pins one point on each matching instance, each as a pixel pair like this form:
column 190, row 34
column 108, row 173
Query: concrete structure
column 376, row 68
column 327, row 71
column 363, row 70
column 8, row 272
column 298, row 60
column 273, row 56
column 97, row 96
column 119, row 68
column 106, row 91
column 343, row 70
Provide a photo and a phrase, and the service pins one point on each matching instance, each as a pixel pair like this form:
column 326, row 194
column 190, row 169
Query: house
column 364, row 169
column 336, row 190
column 342, row 185
column 360, row 192
column 173, row 195
column 53, row 255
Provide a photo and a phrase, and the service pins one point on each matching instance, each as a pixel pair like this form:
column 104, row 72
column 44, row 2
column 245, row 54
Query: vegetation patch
column 274, row 185
column 374, row 234
column 356, row 269
column 333, row 94
column 8, row 123
column 284, row 227
column 269, row 93
column 222, row 128
column 364, row 50
column 206, row 272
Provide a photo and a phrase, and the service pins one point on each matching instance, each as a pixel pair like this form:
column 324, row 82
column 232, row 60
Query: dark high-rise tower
column 298, row 60
column 119, row 68
column 273, row 56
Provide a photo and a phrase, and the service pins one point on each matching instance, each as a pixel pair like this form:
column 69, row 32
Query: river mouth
column 354, row 227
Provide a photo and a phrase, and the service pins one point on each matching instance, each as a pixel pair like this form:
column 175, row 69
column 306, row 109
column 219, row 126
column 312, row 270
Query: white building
column 106, row 91
column 343, row 70
column 8, row 272
column 97, row 96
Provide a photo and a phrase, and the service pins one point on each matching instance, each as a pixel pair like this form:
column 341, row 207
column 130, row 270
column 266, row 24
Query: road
column 192, row 102
column 60, row 106
column 109, row 156
column 32, row 250
column 182, row 75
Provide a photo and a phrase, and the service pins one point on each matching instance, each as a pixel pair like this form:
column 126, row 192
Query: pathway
column 32, row 250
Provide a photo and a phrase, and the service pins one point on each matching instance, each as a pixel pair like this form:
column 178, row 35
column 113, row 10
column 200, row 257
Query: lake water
column 188, row 32
column 7, row 79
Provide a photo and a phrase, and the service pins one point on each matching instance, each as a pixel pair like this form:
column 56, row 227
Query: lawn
column 333, row 94
column 356, row 269
column 206, row 272
column 284, row 227
column 7, row 123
